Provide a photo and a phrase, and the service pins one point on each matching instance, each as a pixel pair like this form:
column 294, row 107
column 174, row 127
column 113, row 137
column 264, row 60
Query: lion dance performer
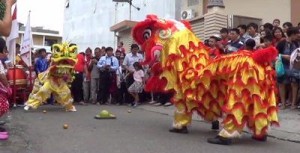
column 238, row 88
column 56, row 79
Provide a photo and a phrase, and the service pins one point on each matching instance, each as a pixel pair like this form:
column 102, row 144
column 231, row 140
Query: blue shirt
column 285, row 48
column 41, row 65
column 105, row 60
column 234, row 46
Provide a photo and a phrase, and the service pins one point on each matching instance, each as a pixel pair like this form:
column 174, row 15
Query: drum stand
column 14, row 87
column 30, row 78
column 24, row 91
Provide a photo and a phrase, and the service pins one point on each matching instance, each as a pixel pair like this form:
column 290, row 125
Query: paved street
column 145, row 130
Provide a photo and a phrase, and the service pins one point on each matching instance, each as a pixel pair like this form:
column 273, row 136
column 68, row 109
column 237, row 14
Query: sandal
column 282, row 107
column 83, row 103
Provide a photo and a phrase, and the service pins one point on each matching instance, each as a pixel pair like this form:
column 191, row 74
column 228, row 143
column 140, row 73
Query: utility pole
column 130, row 4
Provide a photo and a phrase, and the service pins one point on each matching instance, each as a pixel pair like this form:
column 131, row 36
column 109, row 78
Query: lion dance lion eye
column 165, row 34
column 147, row 34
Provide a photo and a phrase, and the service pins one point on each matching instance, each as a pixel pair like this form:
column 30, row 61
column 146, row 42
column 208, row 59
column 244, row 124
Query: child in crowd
column 250, row 44
column 267, row 41
column 138, row 84
column 5, row 92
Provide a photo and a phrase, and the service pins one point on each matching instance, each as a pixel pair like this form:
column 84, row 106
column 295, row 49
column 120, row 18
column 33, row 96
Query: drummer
column 19, row 61
column 41, row 64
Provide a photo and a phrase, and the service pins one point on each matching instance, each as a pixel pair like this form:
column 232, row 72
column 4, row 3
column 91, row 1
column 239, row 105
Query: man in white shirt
column 252, row 31
column 131, row 58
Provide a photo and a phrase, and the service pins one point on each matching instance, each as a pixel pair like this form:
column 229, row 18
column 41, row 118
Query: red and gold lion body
column 240, row 87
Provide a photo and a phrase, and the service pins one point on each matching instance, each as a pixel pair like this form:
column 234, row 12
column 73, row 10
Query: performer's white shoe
column 26, row 108
column 73, row 109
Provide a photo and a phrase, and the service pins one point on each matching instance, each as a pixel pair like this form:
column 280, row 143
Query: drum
column 20, row 75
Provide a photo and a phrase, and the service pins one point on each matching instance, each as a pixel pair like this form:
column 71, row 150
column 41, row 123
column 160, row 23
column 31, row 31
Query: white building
column 87, row 22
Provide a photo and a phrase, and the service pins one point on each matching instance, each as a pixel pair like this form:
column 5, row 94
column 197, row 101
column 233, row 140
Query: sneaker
column 2, row 123
column 183, row 130
column 73, row 109
column 262, row 139
column 26, row 108
column 157, row 104
column 135, row 104
column 168, row 104
column 152, row 102
column 82, row 103
column 219, row 140
column 282, row 107
column 288, row 104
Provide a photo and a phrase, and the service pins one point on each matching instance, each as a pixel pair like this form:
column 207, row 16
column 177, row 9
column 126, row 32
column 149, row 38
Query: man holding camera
column 108, row 66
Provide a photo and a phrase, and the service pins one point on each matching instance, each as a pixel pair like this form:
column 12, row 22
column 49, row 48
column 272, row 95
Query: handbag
column 279, row 67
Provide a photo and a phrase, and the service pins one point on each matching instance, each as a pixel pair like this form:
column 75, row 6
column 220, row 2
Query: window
column 193, row 2
column 50, row 42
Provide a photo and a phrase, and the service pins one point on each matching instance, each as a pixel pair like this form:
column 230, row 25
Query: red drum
column 20, row 77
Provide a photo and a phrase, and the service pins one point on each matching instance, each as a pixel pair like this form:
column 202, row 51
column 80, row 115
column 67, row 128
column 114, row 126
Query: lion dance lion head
column 163, row 41
column 63, row 59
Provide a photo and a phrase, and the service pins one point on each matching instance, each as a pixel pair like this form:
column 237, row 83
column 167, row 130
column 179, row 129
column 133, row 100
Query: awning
column 124, row 25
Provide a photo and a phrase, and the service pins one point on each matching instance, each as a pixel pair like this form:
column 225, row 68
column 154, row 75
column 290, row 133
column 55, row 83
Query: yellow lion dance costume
column 56, row 79
column 239, row 88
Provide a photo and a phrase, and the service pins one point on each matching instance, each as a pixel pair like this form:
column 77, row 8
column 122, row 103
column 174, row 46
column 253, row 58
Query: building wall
column 197, row 8
column 89, row 27
column 198, row 27
column 267, row 10
column 126, row 38
column 38, row 41
column 295, row 12
column 178, row 4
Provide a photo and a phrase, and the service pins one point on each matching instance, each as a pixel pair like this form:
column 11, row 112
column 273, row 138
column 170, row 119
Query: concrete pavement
column 144, row 130
column 289, row 129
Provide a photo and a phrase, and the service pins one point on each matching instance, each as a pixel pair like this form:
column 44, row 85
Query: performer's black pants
column 121, row 93
column 164, row 97
column 104, row 84
column 129, row 81
column 77, row 88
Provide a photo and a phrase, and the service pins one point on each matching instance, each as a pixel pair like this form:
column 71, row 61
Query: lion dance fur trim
column 240, row 88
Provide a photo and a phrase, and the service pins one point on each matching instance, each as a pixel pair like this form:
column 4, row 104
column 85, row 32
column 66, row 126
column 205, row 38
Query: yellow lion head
column 64, row 58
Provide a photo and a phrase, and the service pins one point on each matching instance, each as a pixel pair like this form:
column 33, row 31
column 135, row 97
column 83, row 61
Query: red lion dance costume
column 239, row 88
